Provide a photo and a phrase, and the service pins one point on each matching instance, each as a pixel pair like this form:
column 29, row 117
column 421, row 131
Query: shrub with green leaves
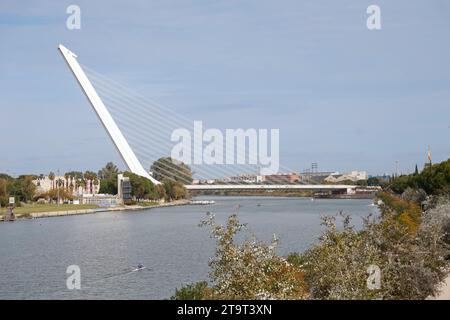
column 407, row 248
column 194, row 291
column 336, row 268
column 250, row 269
column 411, row 264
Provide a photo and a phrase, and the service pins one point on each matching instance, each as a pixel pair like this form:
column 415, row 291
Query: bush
column 196, row 291
column 336, row 268
column 415, row 195
column 411, row 263
column 437, row 218
column 406, row 212
column 247, row 270
column 406, row 247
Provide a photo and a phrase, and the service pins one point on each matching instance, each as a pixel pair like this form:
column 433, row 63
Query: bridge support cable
column 145, row 126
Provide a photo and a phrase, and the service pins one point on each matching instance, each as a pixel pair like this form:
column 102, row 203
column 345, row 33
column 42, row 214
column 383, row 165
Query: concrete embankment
column 35, row 215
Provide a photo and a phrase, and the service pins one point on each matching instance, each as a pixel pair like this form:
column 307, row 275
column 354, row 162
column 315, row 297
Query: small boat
column 139, row 267
column 203, row 202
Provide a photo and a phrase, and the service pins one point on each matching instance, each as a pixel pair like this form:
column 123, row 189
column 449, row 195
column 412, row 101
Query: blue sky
column 341, row 95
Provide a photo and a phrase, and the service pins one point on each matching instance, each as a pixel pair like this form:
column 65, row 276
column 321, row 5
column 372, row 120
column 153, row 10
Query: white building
column 352, row 176
column 104, row 200
column 77, row 186
column 245, row 178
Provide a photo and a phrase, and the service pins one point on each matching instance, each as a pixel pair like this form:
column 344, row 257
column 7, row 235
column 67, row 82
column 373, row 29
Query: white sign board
column 12, row 200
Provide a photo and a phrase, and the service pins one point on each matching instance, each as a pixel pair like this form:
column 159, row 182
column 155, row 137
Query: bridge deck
column 269, row 187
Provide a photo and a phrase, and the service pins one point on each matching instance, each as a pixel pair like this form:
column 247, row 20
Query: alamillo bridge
column 133, row 163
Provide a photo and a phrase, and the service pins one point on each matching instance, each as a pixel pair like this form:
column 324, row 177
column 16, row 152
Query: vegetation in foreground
column 407, row 246
column 245, row 270
column 411, row 261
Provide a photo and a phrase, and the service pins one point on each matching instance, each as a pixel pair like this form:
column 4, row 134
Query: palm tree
column 67, row 178
column 89, row 176
column 60, row 183
column 51, row 176
column 80, row 183
column 95, row 184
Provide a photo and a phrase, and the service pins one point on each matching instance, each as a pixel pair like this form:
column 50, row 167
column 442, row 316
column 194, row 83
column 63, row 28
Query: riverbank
column 282, row 194
column 40, row 212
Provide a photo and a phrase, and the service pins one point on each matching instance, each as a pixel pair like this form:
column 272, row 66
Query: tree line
column 433, row 179
column 21, row 188
column 171, row 173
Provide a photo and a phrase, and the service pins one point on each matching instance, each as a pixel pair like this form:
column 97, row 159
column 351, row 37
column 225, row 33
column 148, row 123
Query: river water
column 34, row 254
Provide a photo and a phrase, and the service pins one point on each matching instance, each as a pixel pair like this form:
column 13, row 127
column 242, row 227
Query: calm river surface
column 34, row 254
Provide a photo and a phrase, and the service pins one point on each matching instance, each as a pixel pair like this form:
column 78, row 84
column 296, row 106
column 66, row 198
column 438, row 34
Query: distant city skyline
column 342, row 96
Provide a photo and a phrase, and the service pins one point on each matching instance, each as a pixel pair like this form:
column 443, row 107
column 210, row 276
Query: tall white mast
column 108, row 122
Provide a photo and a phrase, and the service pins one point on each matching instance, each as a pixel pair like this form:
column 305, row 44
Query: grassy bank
column 53, row 210
column 25, row 210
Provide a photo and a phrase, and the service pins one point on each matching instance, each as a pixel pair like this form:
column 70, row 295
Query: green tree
column 77, row 175
column 373, row 181
column 174, row 190
column 160, row 192
column 4, row 195
column 109, row 171
column 434, row 180
column 6, row 177
column 141, row 188
column 109, row 186
column 108, row 178
column 168, row 168
column 27, row 187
